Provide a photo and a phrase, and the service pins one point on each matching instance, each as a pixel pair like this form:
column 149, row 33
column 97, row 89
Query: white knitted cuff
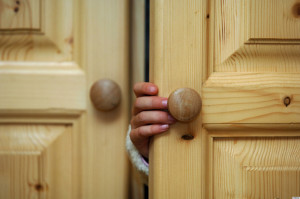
column 135, row 157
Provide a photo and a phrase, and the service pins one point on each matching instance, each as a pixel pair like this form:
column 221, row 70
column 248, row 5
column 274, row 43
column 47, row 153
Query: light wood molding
column 252, row 128
column 251, row 98
column 31, row 88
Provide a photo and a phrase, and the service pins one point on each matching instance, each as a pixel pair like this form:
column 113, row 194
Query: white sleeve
column 135, row 157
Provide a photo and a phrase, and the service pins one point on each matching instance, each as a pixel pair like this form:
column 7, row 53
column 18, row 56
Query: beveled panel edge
column 266, row 41
column 244, row 129
column 244, row 79
column 248, row 40
column 23, row 31
column 36, row 137
column 40, row 67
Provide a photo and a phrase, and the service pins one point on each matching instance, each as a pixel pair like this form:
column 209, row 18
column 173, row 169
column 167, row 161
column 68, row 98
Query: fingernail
column 171, row 119
column 151, row 89
column 164, row 126
column 165, row 103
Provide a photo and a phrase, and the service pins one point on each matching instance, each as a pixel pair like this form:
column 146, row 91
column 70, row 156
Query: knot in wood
column 287, row 101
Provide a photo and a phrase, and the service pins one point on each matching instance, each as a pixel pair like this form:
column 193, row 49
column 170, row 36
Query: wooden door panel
column 244, row 61
column 28, row 17
column 177, row 52
column 18, row 175
column 253, row 69
column 254, row 36
column 51, row 52
column 244, row 43
column 256, row 167
column 40, row 67
column 253, row 63
column 39, row 30
column 40, row 78
column 251, row 98
column 37, row 161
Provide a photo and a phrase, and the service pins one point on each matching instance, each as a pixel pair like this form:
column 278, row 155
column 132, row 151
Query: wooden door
column 243, row 57
column 53, row 143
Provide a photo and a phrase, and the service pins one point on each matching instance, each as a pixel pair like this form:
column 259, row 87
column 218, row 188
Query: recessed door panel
column 256, row 167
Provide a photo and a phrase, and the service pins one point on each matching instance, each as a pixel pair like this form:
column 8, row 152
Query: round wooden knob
column 105, row 95
column 184, row 104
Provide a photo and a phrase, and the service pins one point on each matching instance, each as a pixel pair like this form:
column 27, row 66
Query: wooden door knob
column 105, row 94
column 184, row 104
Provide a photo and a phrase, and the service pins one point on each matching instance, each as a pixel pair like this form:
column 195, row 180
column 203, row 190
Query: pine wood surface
column 177, row 48
column 42, row 86
column 52, row 40
column 36, row 158
column 107, row 45
column 75, row 151
column 251, row 98
column 16, row 16
column 254, row 36
column 243, row 58
column 256, row 167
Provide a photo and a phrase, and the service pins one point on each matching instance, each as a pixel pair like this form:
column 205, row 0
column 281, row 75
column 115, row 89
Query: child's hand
column 149, row 116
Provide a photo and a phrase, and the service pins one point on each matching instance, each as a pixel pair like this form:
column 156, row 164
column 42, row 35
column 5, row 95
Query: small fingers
column 149, row 103
column 140, row 136
column 145, row 88
column 142, row 133
column 151, row 117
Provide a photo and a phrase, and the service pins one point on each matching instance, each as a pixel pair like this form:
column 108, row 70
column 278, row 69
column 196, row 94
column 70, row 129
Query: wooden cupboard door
column 243, row 57
column 53, row 143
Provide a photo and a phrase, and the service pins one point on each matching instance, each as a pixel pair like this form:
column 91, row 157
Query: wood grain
column 273, row 20
column 41, row 86
column 36, row 161
column 256, row 36
column 248, row 65
column 18, row 175
column 20, row 15
column 27, row 139
column 44, row 79
column 184, row 104
column 177, row 49
column 251, row 98
column 52, row 41
column 106, row 55
column 256, row 167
